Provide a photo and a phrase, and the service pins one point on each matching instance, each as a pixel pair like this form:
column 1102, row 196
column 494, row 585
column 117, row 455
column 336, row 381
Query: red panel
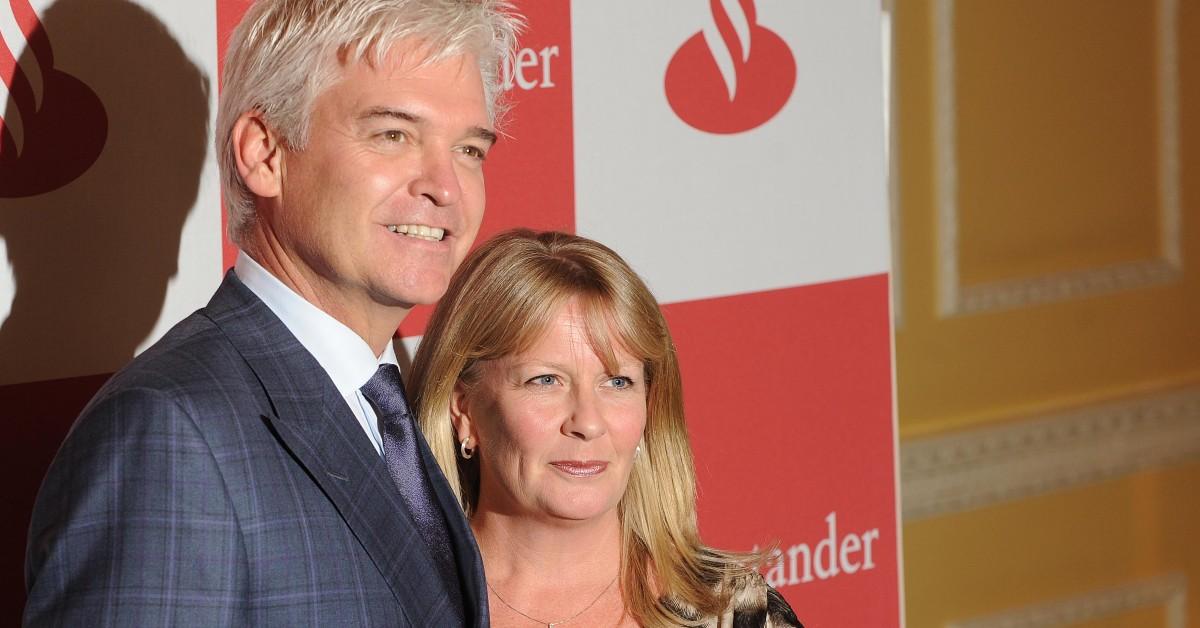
column 530, row 172
column 790, row 411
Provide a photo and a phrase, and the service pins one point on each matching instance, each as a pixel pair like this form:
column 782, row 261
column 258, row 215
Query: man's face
column 385, row 200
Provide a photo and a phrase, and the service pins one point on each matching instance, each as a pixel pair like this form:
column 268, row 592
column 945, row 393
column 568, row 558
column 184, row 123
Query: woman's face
column 556, row 432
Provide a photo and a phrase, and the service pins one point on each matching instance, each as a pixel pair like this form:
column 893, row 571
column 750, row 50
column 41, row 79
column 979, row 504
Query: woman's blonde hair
column 499, row 303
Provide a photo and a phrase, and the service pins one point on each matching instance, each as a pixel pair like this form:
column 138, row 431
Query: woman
column 549, row 391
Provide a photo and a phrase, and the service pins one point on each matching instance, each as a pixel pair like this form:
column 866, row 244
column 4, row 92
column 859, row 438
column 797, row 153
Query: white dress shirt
column 343, row 354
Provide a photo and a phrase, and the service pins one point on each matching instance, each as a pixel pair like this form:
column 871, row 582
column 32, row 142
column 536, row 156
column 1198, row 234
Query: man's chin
column 409, row 299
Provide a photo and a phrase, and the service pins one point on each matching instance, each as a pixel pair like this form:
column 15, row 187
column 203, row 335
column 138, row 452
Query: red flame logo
column 52, row 126
column 733, row 76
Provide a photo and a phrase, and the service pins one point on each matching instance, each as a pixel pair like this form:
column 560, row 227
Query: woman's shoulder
column 755, row 603
column 752, row 602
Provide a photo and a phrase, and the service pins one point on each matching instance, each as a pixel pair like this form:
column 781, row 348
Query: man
column 258, row 466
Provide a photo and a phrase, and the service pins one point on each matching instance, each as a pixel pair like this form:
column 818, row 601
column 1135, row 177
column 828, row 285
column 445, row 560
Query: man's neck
column 375, row 323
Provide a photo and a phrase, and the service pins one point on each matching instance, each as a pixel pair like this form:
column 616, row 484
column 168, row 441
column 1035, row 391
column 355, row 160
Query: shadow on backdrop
column 104, row 140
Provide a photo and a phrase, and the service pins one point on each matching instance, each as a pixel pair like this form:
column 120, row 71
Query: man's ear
column 460, row 414
column 259, row 155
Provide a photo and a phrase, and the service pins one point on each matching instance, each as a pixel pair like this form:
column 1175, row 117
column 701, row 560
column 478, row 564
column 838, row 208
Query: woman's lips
column 580, row 468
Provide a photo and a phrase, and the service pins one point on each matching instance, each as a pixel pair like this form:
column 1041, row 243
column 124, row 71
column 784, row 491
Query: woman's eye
column 543, row 380
column 621, row 381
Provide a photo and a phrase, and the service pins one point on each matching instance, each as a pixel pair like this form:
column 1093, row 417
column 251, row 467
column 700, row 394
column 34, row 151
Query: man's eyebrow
column 387, row 112
column 481, row 133
column 475, row 132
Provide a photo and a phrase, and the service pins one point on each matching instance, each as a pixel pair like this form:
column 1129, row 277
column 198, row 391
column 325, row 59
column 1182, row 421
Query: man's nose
column 438, row 179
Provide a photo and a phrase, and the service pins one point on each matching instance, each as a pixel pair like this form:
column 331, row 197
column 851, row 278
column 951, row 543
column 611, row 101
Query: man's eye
column 474, row 152
column 393, row 135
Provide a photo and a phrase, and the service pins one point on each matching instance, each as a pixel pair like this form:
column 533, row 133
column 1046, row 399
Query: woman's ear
column 460, row 413
column 258, row 154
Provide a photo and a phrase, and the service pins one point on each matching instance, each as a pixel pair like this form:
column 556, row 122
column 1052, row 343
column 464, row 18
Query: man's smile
column 424, row 232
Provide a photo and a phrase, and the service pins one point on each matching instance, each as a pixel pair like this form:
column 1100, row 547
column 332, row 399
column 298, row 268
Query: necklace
column 557, row 622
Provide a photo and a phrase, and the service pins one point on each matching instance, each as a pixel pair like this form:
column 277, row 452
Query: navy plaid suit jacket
column 220, row 480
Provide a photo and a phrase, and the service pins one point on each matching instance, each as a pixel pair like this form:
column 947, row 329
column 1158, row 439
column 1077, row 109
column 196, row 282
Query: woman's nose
column 586, row 420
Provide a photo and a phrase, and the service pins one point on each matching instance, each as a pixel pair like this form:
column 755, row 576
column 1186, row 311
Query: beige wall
column 1047, row 164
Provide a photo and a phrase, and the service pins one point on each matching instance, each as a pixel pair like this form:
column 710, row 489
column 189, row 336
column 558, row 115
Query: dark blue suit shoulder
column 194, row 366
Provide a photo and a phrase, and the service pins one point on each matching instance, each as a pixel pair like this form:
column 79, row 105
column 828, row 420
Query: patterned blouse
column 754, row 604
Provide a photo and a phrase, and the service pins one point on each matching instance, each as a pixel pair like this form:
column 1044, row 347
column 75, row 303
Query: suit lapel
column 311, row 420
column 325, row 438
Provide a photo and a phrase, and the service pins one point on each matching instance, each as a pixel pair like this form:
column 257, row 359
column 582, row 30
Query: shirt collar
column 343, row 354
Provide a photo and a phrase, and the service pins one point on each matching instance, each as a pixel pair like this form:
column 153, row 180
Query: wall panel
column 1048, row 247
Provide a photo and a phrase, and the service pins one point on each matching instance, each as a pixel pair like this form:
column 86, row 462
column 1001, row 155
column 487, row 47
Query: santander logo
column 733, row 75
column 52, row 126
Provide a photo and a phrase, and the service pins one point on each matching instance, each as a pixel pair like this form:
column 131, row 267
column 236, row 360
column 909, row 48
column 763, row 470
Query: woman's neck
column 527, row 554
column 549, row 570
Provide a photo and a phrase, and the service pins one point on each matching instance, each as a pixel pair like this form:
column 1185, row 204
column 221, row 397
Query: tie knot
column 385, row 391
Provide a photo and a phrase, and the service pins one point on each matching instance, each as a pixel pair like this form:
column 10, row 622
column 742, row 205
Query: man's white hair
column 285, row 53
